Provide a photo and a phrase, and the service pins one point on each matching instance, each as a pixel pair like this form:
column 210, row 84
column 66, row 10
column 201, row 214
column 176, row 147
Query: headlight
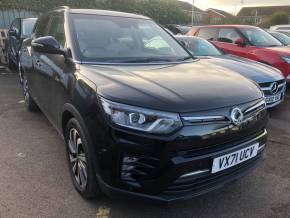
column 141, row 119
column 287, row 59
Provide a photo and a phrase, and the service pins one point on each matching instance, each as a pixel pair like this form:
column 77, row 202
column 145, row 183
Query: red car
column 249, row 42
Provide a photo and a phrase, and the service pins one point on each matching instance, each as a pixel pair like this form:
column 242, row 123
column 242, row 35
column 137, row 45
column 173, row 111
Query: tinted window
column 228, row 35
column 56, row 29
column 41, row 26
column 124, row 40
column 259, row 37
column 207, row 33
column 27, row 26
column 16, row 25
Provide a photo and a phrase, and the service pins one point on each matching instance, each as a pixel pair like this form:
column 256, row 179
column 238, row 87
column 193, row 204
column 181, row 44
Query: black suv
column 140, row 116
column 20, row 29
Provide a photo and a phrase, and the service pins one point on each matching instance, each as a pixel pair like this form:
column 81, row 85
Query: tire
column 29, row 102
column 80, row 160
column 20, row 74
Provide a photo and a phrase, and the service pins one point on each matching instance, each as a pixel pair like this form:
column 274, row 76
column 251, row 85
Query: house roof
column 220, row 12
column 187, row 6
column 263, row 11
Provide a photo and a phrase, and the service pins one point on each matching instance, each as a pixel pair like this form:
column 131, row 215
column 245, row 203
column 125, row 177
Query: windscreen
column 259, row 37
column 124, row 40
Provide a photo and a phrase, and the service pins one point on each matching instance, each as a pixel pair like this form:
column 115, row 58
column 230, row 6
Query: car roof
column 106, row 13
column 30, row 18
column 231, row 26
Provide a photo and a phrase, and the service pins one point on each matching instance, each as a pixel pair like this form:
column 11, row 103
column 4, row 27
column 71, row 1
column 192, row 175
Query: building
column 257, row 15
column 199, row 17
column 216, row 16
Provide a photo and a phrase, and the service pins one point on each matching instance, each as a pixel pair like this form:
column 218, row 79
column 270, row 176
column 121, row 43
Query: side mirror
column 12, row 32
column 47, row 44
column 240, row 42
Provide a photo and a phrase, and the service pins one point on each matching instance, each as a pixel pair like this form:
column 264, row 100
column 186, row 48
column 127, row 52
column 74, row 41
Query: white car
column 280, row 28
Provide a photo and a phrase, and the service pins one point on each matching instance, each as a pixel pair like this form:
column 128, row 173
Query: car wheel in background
column 29, row 102
column 20, row 72
column 80, row 158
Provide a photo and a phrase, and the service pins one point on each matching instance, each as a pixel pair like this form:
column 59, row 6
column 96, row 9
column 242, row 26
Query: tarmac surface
column 35, row 180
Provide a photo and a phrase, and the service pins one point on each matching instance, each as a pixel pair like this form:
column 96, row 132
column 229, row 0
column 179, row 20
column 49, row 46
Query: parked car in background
column 280, row 28
column 249, row 42
column 270, row 80
column 177, row 29
column 20, row 29
column 282, row 37
column 139, row 119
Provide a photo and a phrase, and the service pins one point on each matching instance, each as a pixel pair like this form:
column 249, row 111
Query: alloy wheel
column 77, row 158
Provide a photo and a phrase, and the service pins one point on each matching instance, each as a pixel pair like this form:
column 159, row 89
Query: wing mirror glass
column 13, row 32
column 47, row 44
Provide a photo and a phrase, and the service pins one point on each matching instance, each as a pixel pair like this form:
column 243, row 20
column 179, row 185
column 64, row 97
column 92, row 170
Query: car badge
column 237, row 116
column 274, row 88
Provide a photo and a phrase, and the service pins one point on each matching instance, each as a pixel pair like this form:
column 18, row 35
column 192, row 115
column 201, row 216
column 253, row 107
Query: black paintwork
column 64, row 87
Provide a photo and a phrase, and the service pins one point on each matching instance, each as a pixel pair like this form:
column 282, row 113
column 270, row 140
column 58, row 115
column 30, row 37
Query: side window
column 208, row 33
column 228, row 35
column 41, row 26
column 56, row 29
column 16, row 26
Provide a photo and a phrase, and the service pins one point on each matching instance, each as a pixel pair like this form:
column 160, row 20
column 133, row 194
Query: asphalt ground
column 35, row 181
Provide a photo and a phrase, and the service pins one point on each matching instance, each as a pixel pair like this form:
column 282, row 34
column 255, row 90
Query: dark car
column 249, row 42
column 138, row 117
column 20, row 29
column 177, row 29
column 271, row 80
column 282, row 37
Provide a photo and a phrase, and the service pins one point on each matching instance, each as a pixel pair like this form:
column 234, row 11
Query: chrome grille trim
column 269, row 88
column 205, row 119
column 256, row 108
column 194, row 173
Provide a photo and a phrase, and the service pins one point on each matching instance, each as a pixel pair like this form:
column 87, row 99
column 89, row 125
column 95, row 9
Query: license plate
column 273, row 99
column 232, row 159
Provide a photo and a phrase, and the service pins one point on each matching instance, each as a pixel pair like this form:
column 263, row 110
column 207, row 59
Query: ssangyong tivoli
column 140, row 116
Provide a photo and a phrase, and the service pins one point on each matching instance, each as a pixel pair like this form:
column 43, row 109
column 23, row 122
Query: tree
column 279, row 18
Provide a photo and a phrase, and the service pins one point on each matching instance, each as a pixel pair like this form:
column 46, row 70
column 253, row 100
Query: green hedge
column 162, row 11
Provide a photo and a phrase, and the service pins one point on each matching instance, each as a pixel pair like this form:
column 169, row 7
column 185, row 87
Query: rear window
column 208, row 33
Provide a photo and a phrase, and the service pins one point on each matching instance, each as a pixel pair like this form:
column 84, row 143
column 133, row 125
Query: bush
column 279, row 18
column 162, row 11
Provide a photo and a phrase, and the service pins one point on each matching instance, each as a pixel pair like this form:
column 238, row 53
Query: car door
column 226, row 40
column 39, row 71
column 58, row 68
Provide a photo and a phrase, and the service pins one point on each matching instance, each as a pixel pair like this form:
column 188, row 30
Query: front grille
column 193, row 184
column 266, row 87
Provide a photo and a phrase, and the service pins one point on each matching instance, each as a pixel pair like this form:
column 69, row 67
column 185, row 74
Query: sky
column 233, row 6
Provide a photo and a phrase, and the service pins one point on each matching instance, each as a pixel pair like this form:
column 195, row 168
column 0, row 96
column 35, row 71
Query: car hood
column 185, row 87
column 258, row 72
column 282, row 50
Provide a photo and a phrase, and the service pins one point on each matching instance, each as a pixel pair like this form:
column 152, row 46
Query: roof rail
column 61, row 7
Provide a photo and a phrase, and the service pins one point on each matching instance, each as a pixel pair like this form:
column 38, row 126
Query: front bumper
column 188, row 176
